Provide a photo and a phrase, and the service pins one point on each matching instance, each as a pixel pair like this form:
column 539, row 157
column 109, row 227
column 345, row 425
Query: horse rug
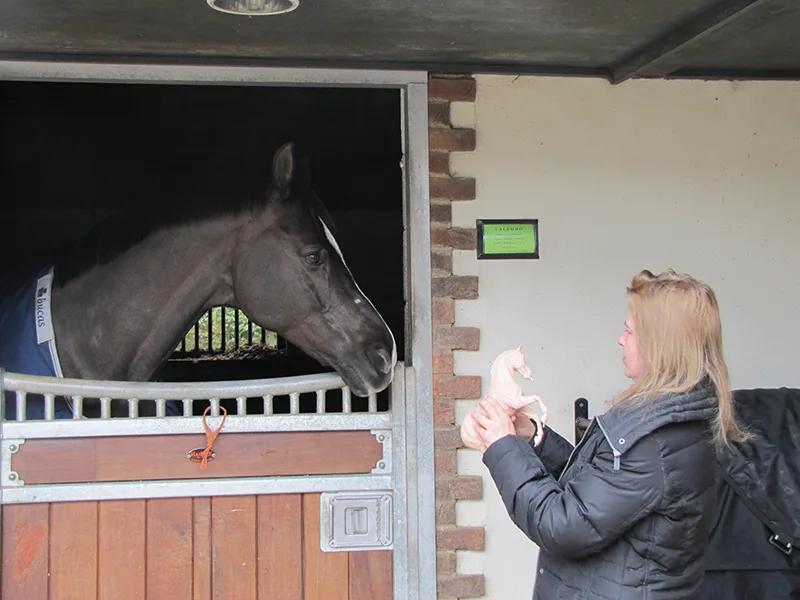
column 27, row 339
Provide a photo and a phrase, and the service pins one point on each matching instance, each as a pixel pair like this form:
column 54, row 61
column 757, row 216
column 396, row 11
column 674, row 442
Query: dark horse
column 126, row 294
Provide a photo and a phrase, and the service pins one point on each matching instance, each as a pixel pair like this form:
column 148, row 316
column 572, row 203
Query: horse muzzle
column 371, row 371
column 380, row 359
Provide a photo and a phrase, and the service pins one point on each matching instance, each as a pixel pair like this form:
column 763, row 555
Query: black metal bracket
column 581, row 417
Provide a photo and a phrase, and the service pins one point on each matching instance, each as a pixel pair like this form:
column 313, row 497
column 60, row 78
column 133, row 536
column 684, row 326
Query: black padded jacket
column 628, row 512
column 755, row 544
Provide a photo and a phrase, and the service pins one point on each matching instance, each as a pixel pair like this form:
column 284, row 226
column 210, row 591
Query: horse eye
column 314, row 258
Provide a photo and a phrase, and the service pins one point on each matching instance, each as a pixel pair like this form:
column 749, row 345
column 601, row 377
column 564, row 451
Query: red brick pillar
column 448, row 335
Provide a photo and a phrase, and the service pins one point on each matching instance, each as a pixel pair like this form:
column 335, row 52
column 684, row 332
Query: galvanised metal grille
column 28, row 398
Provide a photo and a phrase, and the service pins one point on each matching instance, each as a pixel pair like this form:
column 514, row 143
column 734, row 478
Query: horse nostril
column 380, row 359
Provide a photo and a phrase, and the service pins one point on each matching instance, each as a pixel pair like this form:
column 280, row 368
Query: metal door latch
column 581, row 418
column 356, row 521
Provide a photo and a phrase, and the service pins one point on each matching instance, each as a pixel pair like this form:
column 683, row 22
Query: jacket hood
column 625, row 424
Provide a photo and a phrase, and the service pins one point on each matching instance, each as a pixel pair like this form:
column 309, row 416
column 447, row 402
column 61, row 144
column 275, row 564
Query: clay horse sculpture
column 506, row 391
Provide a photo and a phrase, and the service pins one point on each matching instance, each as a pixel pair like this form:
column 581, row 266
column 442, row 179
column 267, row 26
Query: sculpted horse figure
column 507, row 392
column 117, row 304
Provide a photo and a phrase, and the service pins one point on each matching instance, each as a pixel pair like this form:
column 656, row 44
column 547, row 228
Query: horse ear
column 283, row 169
column 519, row 349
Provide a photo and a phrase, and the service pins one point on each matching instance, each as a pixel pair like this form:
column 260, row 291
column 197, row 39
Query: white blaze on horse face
column 358, row 300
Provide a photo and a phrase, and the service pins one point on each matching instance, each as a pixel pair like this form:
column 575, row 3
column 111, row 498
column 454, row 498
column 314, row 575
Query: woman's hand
column 523, row 426
column 492, row 423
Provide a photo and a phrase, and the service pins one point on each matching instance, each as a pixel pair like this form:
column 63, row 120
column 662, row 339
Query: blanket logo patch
column 44, row 322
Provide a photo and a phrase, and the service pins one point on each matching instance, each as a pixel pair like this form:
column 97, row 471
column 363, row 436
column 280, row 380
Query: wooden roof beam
column 679, row 37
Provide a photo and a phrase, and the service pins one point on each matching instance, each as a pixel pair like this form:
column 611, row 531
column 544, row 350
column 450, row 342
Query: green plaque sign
column 511, row 238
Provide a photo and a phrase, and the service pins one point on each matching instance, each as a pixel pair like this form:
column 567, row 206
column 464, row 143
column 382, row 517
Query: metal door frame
column 412, row 426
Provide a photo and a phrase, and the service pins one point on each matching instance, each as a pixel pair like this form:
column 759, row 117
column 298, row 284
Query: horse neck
column 503, row 368
column 122, row 319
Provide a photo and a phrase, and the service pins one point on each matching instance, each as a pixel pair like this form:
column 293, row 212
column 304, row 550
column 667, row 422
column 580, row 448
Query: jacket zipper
column 616, row 452
column 576, row 448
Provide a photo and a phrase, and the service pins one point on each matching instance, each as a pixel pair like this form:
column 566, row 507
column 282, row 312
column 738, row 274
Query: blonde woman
column 627, row 513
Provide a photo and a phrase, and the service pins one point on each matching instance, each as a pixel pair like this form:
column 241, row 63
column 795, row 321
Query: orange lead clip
column 203, row 456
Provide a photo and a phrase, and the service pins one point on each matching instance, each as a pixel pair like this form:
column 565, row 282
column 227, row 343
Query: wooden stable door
column 222, row 548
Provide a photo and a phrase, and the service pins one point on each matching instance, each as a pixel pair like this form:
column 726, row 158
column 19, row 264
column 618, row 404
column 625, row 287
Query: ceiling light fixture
column 254, row 8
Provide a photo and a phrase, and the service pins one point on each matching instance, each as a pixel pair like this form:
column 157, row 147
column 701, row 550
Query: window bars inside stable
column 222, row 330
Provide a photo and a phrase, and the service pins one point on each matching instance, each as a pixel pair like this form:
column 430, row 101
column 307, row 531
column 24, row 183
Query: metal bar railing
column 37, row 399
column 140, row 390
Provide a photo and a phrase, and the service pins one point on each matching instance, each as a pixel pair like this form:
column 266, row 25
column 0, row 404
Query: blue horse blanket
column 28, row 342
column 27, row 339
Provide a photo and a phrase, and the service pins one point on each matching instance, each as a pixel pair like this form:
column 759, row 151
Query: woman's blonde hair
column 678, row 330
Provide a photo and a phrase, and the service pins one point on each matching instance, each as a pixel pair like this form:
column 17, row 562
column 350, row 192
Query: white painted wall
column 703, row 177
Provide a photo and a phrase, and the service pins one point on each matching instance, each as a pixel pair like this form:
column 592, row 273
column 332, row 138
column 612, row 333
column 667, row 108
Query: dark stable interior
column 72, row 153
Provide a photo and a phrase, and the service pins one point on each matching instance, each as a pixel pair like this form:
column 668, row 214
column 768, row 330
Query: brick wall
column 448, row 336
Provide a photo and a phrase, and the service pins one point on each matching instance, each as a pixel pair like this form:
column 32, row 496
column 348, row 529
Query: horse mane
column 124, row 228
column 501, row 365
column 316, row 205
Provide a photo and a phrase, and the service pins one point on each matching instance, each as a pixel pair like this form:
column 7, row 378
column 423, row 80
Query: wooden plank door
column 222, row 548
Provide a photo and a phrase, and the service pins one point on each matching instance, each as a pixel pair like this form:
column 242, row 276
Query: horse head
column 514, row 360
column 290, row 276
